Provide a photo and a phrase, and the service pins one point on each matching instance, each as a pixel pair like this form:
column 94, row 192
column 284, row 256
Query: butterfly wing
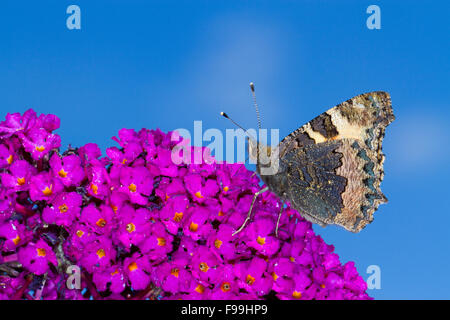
column 334, row 163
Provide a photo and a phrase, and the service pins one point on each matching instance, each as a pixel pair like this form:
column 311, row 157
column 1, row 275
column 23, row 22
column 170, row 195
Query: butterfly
column 331, row 168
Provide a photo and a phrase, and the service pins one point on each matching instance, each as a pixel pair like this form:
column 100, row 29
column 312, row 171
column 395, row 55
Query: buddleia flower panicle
column 140, row 226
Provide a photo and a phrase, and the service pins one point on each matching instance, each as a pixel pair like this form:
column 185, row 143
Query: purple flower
column 162, row 159
column 158, row 244
column 67, row 169
column 112, row 278
column 49, row 122
column 205, row 265
column 89, row 152
column 15, row 123
column 222, row 243
column 126, row 136
column 98, row 182
column 19, row 177
column 80, row 236
column 260, row 236
column 136, row 183
column 125, row 156
column 99, row 254
column 7, row 203
column 134, row 225
column 100, row 220
column 36, row 257
column 38, row 142
column 199, row 189
column 226, row 287
column 44, row 187
column 14, row 234
column 254, row 277
column 6, row 156
column 174, row 212
column 197, row 225
column 352, row 280
column 63, row 209
column 331, row 261
column 173, row 277
column 136, row 268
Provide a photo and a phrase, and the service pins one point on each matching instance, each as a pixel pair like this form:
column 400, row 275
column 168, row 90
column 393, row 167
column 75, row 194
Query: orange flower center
column 101, row 253
column 297, row 294
column 193, row 227
column 203, row 267
column 175, row 272
column 198, row 194
column 132, row 266
column 63, row 208
column 94, row 188
column 178, row 216
column 131, row 227
column 48, row 191
column 260, row 240
column 10, row 159
column 101, row 222
column 200, row 289
column 41, row 252
column 226, row 189
column 161, row 242
column 274, row 276
column 225, row 287
column 132, row 187
column 20, row 181
column 16, row 240
column 62, row 173
column 40, row 148
column 80, row 233
column 250, row 280
column 218, row 243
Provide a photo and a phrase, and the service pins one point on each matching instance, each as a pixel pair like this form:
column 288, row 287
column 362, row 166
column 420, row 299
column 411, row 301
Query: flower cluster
column 137, row 225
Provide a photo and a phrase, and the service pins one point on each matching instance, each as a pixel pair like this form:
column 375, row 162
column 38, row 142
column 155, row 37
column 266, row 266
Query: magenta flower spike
column 139, row 226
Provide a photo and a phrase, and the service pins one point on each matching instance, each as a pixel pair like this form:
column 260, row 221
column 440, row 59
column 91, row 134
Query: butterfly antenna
column 252, row 87
column 223, row 114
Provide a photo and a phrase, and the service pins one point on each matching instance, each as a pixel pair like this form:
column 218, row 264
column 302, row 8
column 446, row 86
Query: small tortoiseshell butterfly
column 331, row 168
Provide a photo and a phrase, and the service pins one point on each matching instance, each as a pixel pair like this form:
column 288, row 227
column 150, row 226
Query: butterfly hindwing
column 333, row 182
column 314, row 188
column 362, row 195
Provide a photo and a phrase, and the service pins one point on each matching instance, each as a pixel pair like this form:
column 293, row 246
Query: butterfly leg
column 279, row 217
column 250, row 211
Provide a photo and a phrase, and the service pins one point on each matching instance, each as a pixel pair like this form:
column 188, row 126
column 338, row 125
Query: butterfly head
column 265, row 157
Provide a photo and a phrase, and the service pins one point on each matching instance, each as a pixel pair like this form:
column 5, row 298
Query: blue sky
column 166, row 63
